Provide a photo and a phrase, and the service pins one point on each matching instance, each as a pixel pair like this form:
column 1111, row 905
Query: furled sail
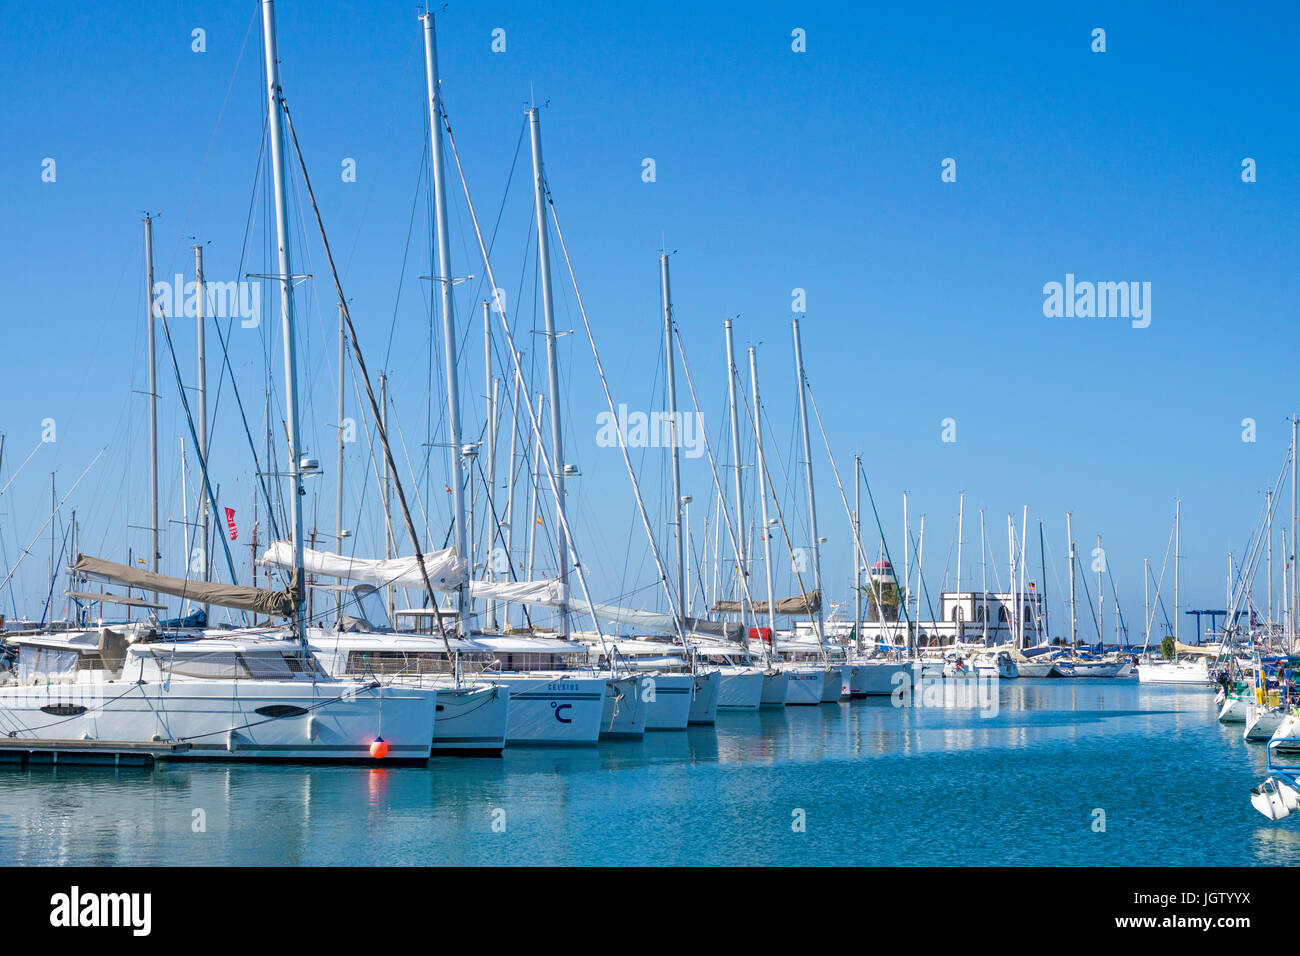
column 539, row 593
column 806, row 604
column 446, row 571
column 654, row 622
column 237, row 596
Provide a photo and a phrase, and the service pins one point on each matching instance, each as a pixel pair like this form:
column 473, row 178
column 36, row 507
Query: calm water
column 876, row 784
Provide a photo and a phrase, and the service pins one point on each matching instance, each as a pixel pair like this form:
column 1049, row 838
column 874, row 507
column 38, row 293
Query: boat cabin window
column 232, row 665
column 544, row 661
column 368, row 605
column 47, row 663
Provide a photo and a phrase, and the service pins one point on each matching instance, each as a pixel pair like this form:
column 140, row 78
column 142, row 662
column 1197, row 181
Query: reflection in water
column 879, row 784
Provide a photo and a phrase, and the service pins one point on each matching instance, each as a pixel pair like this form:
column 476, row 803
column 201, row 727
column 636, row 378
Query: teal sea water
column 872, row 783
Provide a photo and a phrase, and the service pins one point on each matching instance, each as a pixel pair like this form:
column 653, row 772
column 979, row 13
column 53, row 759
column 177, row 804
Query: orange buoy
column 379, row 748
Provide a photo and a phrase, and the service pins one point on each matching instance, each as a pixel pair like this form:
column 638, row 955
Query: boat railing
column 1288, row 769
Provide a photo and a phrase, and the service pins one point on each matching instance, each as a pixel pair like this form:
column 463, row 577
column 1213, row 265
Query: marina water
column 1068, row 772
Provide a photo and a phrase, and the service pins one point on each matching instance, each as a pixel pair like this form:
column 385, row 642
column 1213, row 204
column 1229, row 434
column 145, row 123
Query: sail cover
column 446, row 571
column 237, row 596
column 806, row 604
column 538, row 593
column 653, row 622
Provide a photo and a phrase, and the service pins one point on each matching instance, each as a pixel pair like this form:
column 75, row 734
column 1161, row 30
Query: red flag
column 230, row 523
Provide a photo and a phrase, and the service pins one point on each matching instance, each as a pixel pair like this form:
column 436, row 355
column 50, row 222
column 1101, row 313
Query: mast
column 510, row 484
column 338, row 484
column 1291, row 562
column 808, row 472
column 389, row 537
column 762, row 492
column 1074, row 621
column 984, row 583
column 907, row 552
column 1020, row 598
column 857, row 562
column 153, row 392
column 444, row 281
column 961, row 505
column 201, row 297
column 552, row 365
column 1042, row 596
column 671, row 388
column 742, row 564
column 490, row 472
column 1178, row 505
column 1268, row 510
column 920, row 579
column 1101, row 602
column 1146, row 603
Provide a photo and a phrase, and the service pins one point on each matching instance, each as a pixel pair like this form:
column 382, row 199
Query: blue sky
column 775, row 170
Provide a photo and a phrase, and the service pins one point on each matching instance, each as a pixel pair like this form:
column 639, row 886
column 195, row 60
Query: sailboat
column 100, row 693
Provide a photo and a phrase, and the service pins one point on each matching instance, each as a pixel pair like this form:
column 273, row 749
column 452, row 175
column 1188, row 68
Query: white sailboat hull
column 878, row 678
column 472, row 719
column 234, row 720
column 705, row 699
column 1286, row 738
column 553, row 709
column 776, row 688
column 1180, row 672
column 833, row 684
column 806, row 685
column 741, row 688
column 624, row 714
column 1233, row 710
column 668, row 700
column 1262, row 722
column 1032, row 668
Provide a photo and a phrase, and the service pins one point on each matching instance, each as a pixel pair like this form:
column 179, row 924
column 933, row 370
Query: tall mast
column 489, row 472
column 1020, row 598
column 552, row 364
column 742, row 565
column 671, row 389
column 338, row 484
column 510, row 484
column 808, row 472
column 1042, row 591
column 1146, row 603
column 857, row 562
column 201, row 297
column 1074, row 621
column 762, row 493
column 1178, row 506
column 961, row 517
column 153, row 393
column 1268, row 510
column 286, row 301
column 444, row 281
column 907, row 559
column 389, row 537
column 984, row 583
column 1101, row 600
column 1291, row 563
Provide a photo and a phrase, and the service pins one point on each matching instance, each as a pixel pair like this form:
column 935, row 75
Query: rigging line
column 678, row 624
column 754, row 420
column 534, row 420
column 884, row 544
column 717, row 484
column 212, row 141
column 14, row 476
column 365, row 377
column 857, row 537
column 28, row 550
column 49, row 595
column 198, row 451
